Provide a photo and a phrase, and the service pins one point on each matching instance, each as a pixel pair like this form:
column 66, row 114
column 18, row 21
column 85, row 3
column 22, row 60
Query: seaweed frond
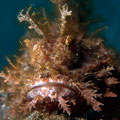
column 111, row 80
column 105, row 71
column 63, row 104
column 64, row 13
column 26, row 17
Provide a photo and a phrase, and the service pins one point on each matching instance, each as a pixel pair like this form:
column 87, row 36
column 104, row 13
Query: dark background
column 11, row 31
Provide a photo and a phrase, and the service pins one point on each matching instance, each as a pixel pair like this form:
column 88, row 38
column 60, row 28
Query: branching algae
column 62, row 73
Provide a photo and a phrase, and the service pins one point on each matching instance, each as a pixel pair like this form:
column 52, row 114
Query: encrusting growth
column 66, row 70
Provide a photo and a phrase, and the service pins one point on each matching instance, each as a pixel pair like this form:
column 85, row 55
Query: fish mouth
column 49, row 88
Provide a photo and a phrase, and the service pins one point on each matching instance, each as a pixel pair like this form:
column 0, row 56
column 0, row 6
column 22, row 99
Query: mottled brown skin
column 81, row 60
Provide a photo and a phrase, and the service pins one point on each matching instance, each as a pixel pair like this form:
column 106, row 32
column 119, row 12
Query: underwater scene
column 60, row 60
